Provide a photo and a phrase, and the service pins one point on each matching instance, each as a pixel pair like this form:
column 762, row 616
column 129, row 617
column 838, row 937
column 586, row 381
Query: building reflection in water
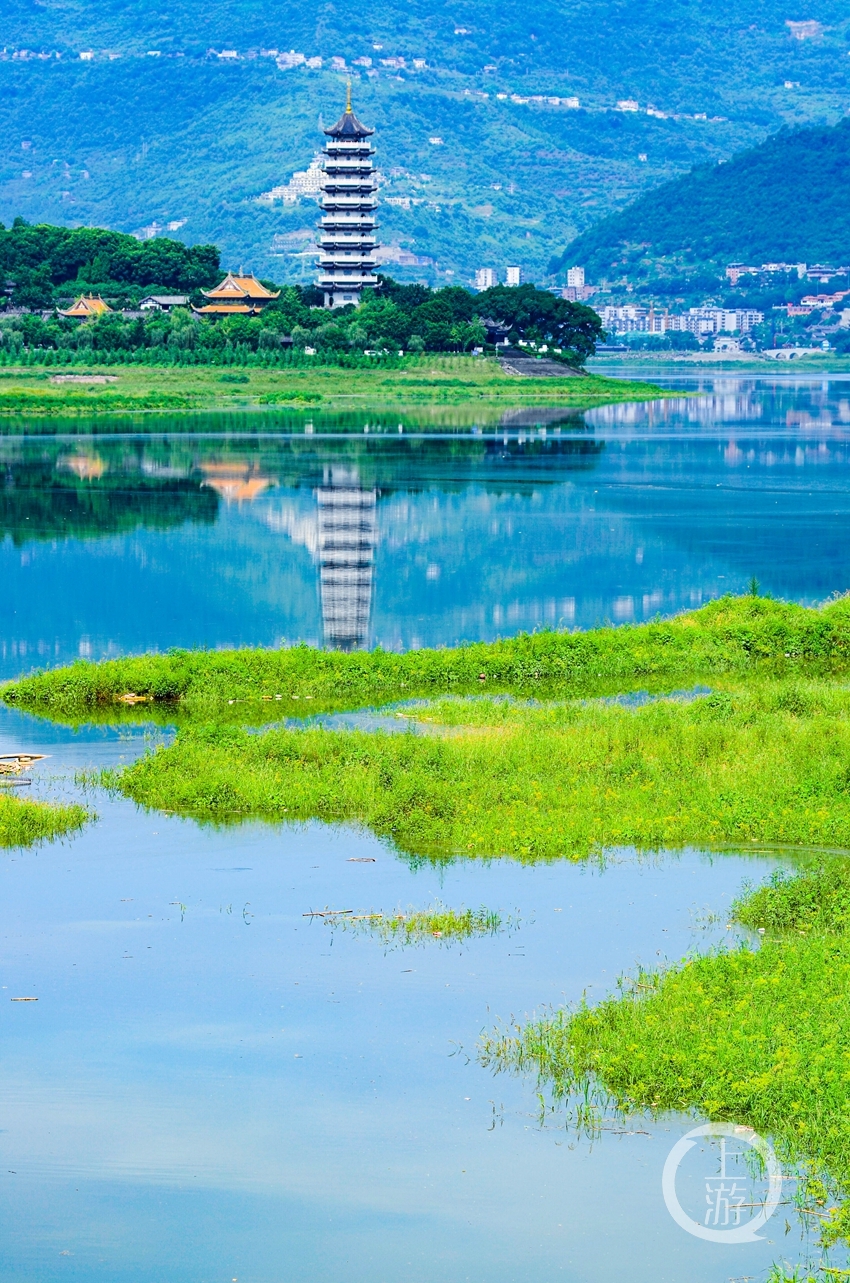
column 347, row 534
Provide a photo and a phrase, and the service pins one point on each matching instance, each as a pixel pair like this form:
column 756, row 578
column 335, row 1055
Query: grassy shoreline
column 758, row 1036
column 730, row 636
column 410, row 383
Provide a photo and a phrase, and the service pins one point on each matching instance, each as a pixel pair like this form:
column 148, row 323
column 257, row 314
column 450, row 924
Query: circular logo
column 725, row 1195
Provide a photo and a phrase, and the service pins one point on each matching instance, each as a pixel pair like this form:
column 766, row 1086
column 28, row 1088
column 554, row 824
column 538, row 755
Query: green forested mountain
column 786, row 200
column 156, row 126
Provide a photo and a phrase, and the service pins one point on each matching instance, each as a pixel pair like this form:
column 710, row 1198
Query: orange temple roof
column 240, row 286
column 85, row 306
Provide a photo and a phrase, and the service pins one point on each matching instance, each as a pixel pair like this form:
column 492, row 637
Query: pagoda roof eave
column 348, row 128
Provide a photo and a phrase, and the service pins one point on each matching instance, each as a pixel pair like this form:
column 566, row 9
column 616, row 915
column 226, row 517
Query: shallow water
column 212, row 1086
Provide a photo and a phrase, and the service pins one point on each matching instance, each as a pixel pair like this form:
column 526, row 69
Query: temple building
column 347, row 231
column 239, row 294
column 85, row 307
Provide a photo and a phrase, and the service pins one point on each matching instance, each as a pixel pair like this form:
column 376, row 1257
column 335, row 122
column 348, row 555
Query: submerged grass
column 767, row 762
column 421, row 926
column 23, row 823
column 758, row 1036
column 733, row 636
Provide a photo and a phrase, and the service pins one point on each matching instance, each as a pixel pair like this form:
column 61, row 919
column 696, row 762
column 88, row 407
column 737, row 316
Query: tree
column 541, row 317
column 467, row 334
column 33, row 288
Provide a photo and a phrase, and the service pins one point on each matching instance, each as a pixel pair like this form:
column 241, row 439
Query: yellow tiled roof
column 87, row 305
column 226, row 309
column 240, row 285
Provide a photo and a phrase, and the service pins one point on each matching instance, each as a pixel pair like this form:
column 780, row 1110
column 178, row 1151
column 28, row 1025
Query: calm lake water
column 212, row 1086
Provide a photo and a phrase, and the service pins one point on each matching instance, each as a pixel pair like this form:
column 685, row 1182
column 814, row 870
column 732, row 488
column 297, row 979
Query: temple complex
column 239, row 294
column 347, row 231
column 85, row 307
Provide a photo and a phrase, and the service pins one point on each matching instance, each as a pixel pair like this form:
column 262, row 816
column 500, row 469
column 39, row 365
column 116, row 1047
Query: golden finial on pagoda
column 348, row 98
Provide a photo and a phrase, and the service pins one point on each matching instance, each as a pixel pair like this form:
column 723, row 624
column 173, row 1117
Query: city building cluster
column 822, row 272
column 699, row 321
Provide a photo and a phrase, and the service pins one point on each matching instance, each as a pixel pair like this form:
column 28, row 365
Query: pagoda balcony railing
column 349, row 183
column 341, row 252
column 329, row 281
column 339, row 148
column 348, row 187
column 336, row 174
column 339, row 261
column 346, row 200
column 348, row 220
column 348, row 162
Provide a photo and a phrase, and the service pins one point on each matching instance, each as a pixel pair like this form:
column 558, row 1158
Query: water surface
column 212, row 1086
column 119, row 544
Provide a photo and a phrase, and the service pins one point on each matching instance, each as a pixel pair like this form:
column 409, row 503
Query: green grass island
column 434, row 387
column 725, row 728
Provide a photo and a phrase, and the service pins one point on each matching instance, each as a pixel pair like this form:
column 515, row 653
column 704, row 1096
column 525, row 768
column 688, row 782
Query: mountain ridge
column 125, row 140
column 784, row 200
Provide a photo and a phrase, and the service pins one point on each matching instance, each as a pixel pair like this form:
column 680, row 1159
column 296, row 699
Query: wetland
column 310, row 694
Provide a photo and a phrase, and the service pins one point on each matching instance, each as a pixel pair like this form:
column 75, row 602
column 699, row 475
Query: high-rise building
column 485, row 278
column 347, row 231
column 575, row 277
column 513, row 276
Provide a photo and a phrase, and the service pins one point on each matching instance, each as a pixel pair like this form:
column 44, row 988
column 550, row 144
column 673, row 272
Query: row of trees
column 41, row 261
column 394, row 317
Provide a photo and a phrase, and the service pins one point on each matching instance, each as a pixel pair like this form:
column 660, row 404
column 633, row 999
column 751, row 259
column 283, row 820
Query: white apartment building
column 485, row 278
column 303, row 183
column 575, row 277
column 701, row 321
column 513, row 276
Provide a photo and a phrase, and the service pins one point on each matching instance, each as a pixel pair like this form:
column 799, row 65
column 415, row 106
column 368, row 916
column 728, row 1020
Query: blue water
column 118, row 544
column 212, row 1086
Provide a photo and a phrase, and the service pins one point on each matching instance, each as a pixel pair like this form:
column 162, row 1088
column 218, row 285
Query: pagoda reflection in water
column 347, row 533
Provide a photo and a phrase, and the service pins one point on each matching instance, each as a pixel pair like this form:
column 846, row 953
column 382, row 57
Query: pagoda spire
column 347, row 241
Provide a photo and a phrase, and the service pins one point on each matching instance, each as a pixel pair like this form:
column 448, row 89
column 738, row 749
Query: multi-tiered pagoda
column 347, row 231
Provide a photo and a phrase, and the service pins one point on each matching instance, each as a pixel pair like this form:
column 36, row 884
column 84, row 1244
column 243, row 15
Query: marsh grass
column 733, row 636
column 439, row 923
column 23, row 823
column 766, row 762
column 758, row 1036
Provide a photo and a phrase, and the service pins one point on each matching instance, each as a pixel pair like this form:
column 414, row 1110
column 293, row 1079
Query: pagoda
column 239, row 294
column 347, row 231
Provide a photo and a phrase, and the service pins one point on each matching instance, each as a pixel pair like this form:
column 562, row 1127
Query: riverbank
column 404, row 383
column 740, row 362
column 732, row 636
column 759, row 1035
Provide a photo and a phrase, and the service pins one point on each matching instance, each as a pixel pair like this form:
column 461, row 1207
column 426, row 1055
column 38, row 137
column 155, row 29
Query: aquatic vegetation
column 764, row 762
column 421, row 926
column 756, row 1035
column 23, row 823
column 731, row 636
column 181, row 383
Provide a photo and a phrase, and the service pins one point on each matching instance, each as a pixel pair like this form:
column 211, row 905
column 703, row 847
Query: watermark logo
column 732, row 1214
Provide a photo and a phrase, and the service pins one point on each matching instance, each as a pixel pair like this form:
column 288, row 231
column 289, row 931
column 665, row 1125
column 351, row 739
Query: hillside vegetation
column 125, row 139
column 785, row 200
